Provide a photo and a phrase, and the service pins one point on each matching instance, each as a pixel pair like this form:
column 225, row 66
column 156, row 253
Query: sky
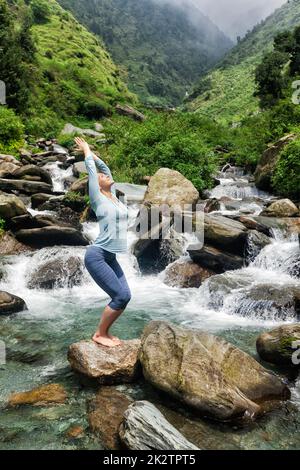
column 235, row 17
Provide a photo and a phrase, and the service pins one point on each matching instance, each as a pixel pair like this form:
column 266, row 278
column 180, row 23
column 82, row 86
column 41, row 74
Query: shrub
column 11, row 131
column 286, row 179
column 40, row 10
column 95, row 109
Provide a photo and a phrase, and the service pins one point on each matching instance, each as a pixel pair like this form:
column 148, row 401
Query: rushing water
column 38, row 338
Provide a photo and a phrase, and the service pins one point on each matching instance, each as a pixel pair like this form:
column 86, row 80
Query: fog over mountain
column 234, row 17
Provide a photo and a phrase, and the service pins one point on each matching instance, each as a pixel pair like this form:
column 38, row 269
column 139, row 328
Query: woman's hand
column 83, row 146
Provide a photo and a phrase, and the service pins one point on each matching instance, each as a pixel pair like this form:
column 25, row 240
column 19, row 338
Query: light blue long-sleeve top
column 112, row 215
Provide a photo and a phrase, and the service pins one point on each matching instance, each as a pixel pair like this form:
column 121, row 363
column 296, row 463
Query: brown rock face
column 206, row 372
column 107, row 365
column 281, row 208
column 268, row 161
column 106, row 413
column 185, row 275
column 10, row 246
column 10, row 303
column 40, row 396
column 276, row 346
column 172, row 188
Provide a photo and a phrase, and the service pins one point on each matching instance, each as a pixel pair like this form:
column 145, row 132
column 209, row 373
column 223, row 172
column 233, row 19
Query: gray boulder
column 281, row 345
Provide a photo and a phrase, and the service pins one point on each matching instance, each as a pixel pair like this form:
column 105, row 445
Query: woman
column 100, row 258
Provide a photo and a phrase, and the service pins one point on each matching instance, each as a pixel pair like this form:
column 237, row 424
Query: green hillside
column 73, row 73
column 226, row 93
column 162, row 48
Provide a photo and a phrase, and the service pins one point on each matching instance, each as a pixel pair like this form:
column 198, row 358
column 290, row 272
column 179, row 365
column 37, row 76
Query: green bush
column 40, row 10
column 286, row 179
column 11, row 131
column 95, row 109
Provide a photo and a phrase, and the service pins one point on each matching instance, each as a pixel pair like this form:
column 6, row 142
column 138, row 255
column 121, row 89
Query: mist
column 234, row 17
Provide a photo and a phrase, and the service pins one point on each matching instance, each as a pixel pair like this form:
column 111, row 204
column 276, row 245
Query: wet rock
column 281, row 208
column 27, row 187
column 214, row 259
column 252, row 223
column 10, row 303
column 267, row 164
column 50, row 236
column 80, row 186
column 256, row 241
column 40, row 396
column 107, row 365
column 61, row 272
column 206, row 372
column 11, row 206
column 126, row 110
column 7, row 169
column 106, row 413
column 267, row 224
column 172, row 188
column 75, row 432
column 212, row 205
column 38, row 199
column 67, row 216
column 270, row 301
column 226, row 234
column 25, row 221
column 145, row 428
column 276, row 346
column 10, row 246
column 186, row 274
column 33, row 170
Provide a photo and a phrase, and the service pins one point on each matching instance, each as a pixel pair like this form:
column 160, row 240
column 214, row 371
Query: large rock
column 10, row 246
column 70, row 129
column 126, row 110
column 267, row 164
column 186, row 274
column 281, row 345
column 206, row 373
column 61, row 272
column 281, row 208
column 226, row 234
column 7, row 169
column 106, row 413
column 38, row 199
column 172, row 188
column 41, row 396
column 78, row 168
column 11, row 205
column 9, row 159
column 51, row 235
column 215, row 260
column 23, row 186
column 256, row 241
column 80, row 186
column 107, row 365
column 33, row 170
column 10, row 303
column 145, row 428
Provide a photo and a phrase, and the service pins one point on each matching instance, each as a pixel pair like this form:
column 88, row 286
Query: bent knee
column 122, row 300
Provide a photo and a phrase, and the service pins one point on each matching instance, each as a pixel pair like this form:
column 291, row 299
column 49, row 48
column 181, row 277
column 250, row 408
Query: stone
column 206, row 372
column 10, row 303
column 61, row 272
column 281, row 208
column 214, row 259
column 126, row 110
column 40, row 396
column 78, row 168
column 80, row 186
column 10, row 246
column 33, row 170
column 27, row 187
column 105, row 414
column 225, row 234
column 70, row 129
column 38, row 199
column 7, row 169
column 51, row 236
column 145, row 428
column 276, row 346
column 11, row 205
column 107, row 365
column 171, row 188
column 186, row 274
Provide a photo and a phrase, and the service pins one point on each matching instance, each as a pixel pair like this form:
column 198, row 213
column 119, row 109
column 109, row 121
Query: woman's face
column 105, row 182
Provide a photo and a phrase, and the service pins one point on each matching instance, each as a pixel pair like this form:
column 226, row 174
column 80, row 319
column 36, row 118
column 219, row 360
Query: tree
column 269, row 78
column 295, row 53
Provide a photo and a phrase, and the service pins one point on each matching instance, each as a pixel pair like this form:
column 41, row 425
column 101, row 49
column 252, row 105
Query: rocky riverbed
column 208, row 356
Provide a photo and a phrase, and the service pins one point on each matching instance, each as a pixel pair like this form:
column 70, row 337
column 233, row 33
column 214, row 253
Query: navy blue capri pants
column 108, row 274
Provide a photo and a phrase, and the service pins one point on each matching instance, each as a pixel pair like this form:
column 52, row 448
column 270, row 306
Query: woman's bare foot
column 114, row 338
column 104, row 340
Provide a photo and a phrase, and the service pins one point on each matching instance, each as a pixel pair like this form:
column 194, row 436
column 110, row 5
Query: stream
column 37, row 339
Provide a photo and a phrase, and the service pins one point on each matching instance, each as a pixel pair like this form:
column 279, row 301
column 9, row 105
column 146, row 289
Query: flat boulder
column 24, row 186
column 145, row 428
column 11, row 206
column 105, row 414
column 186, row 274
column 281, row 345
column 33, row 170
column 10, row 303
column 281, row 208
column 171, row 188
column 50, row 394
column 206, row 372
column 226, row 234
column 214, row 259
column 51, row 236
column 106, row 365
